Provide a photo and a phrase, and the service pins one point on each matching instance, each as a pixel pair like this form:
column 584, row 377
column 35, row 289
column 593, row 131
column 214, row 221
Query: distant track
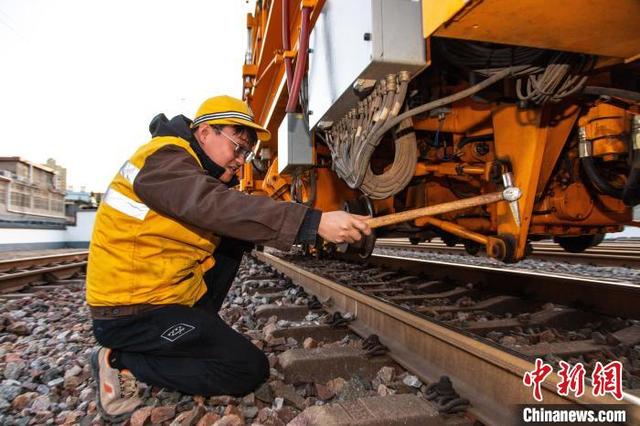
column 625, row 254
column 18, row 274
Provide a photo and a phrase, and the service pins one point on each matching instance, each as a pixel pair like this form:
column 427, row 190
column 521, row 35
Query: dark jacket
column 200, row 199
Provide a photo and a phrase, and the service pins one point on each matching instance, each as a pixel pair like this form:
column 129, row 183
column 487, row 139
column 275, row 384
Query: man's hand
column 342, row 227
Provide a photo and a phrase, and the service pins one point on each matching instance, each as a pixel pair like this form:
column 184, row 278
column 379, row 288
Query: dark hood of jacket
column 180, row 126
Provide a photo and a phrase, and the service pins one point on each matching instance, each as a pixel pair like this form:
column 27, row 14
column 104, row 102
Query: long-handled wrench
column 510, row 194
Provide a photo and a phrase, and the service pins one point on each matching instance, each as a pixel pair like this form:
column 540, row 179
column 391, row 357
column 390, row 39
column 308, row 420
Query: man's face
column 225, row 149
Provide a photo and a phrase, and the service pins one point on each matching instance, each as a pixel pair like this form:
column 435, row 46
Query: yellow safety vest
column 139, row 256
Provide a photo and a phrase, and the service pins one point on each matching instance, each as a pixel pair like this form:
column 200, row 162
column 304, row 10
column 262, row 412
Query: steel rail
column 632, row 245
column 605, row 296
column 15, row 274
column 487, row 375
column 26, row 262
column 607, row 255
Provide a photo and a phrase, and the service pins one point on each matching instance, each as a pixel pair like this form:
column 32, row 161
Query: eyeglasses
column 239, row 149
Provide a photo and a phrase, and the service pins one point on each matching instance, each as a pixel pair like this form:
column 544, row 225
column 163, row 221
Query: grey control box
column 360, row 39
column 294, row 144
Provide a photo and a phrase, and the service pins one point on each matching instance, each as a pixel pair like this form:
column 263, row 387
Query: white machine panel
column 360, row 39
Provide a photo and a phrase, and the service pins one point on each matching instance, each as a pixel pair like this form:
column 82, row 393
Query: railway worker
column 153, row 287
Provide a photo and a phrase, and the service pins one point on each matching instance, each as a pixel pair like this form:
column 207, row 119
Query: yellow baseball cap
column 229, row 111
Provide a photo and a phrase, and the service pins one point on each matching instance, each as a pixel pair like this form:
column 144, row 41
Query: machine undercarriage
column 436, row 118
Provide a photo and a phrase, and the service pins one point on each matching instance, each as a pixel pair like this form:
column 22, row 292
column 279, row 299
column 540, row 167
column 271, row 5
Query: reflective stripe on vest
column 129, row 171
column 125, row 205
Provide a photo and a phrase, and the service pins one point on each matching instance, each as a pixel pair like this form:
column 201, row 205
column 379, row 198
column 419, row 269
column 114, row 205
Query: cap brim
column 262, row 133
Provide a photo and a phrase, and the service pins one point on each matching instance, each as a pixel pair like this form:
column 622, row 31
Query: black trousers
column 191, row 350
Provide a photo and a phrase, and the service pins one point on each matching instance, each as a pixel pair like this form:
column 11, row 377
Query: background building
column 30, row 194
column 60, row 178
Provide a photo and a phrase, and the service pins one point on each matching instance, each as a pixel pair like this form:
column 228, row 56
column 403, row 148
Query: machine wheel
column 414, row 240
column 579, row 243
column 471, row 247
column 450, row 240
column 505, row 250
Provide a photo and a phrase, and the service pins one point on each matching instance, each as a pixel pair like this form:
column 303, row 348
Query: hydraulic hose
column 286, row 43
column 301, row 61
column 393, row 103
column 631, row 191
column 451, row 98
column 597, row 180
column 399, row 174
column 358, row 164
column 614, row 93
column 366, row 150
column 387, row 103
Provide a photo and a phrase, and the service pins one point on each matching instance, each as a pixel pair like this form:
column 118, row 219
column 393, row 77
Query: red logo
column 536, row 377
column 607, row 379
column 604, row 379
column 572, row 379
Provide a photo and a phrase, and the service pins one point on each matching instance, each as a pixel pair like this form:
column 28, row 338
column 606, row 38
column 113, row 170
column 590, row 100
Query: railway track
column 22, row 273
column 432, row 319
column 623, row 253
column 321, row 372
column 482, row 327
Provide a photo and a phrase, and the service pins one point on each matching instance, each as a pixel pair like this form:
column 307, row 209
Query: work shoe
column 117, row 391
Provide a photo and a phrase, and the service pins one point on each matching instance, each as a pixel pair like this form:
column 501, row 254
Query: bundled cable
column 353, row 139
column 546, row 76
column 475, row 56
column 353, row 135
column 563, row 76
